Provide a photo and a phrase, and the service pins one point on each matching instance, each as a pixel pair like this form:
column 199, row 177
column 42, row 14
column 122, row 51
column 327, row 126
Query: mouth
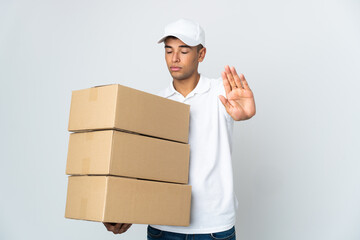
column 175, row 69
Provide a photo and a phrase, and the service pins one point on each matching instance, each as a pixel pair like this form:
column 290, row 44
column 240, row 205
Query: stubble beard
column 182, row 76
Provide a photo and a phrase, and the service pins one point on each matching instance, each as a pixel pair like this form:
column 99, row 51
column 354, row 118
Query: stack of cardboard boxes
column 129, row 157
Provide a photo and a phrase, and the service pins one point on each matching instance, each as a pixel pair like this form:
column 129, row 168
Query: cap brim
column 188, row 41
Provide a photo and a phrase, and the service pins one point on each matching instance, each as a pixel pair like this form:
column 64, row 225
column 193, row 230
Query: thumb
column 224, row 101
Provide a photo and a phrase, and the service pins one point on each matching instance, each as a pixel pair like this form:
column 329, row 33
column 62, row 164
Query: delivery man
column 214, row 106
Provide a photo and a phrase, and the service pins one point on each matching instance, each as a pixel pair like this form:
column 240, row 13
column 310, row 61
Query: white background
column 296, row 163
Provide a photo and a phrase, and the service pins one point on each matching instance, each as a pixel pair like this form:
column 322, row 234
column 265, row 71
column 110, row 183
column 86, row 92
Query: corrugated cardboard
column 112, row 152
column 123, row 108
column 126, row 200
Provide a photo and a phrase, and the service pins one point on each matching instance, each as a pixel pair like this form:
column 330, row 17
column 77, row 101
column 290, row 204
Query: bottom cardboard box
column 128, row 200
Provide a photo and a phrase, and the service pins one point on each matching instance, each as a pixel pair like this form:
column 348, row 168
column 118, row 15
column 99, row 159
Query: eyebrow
column 182, row 46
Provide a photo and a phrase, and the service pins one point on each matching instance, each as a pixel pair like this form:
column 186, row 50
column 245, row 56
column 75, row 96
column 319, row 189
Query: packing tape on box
column 85, row 165
column 93, row 96
column 83, row 207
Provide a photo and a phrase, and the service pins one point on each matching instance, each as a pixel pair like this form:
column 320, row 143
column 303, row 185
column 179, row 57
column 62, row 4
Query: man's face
column 181, row 59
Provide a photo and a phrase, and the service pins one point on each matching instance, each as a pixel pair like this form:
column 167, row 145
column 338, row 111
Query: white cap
column 188, row 31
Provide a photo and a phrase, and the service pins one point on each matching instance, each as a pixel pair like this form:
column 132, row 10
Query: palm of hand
column 239, row 101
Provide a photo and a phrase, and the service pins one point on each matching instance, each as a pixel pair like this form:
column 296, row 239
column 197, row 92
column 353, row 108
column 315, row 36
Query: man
column 214, row 204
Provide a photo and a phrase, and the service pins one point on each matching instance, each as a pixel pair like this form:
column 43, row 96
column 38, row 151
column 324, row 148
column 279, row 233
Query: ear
column 202, row 54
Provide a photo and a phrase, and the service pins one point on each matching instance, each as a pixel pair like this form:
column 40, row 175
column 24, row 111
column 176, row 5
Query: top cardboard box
column 127, row 109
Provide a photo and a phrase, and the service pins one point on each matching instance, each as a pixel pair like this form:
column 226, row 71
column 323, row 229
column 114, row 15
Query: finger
column 108, row 226
column 230, row 77
column 128, row 226
column 225, row 102
column 117, row 228
column 123, row 228
column 236, row 77
column 244, row 82
column 226, row 83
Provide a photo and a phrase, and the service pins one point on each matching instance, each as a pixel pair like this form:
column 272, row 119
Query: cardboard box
column 112, row 152
column 126, row 200
column 123, row 108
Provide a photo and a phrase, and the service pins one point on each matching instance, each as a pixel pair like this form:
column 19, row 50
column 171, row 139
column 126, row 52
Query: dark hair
column 199, row 47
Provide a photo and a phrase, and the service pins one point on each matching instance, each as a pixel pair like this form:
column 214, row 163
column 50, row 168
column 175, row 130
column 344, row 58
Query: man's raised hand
column 239, row 101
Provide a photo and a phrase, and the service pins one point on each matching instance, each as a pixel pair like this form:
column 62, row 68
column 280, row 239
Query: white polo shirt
column 213, row 201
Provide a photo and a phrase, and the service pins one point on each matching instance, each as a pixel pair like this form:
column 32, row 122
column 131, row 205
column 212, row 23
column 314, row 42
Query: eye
column 168, row 52
column 184, row 52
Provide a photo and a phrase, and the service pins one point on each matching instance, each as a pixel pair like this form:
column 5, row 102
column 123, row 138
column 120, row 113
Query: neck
column 185, row 86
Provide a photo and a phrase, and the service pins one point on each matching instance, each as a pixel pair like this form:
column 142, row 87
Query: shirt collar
column 202, row 86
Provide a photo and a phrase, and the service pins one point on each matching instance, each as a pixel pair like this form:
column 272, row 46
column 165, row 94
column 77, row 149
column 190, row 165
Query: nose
column 175, row 57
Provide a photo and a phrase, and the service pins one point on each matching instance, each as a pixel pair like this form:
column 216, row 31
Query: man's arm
column 239, row 101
